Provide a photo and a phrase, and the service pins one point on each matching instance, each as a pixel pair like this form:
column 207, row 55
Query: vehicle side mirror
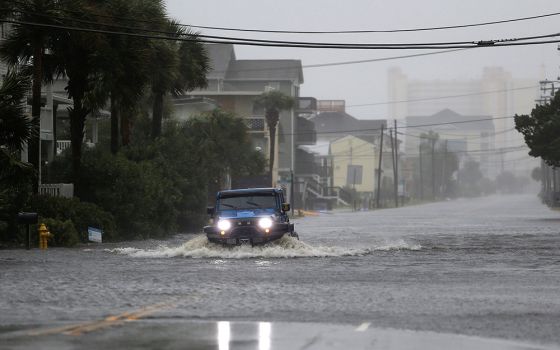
column 285, row 207
column 210, row 211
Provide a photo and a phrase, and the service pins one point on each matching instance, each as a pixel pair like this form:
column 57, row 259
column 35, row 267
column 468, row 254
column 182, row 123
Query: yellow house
column 354, row 162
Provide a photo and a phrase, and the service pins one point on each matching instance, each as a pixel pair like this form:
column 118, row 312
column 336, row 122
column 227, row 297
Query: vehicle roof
column 245, row 191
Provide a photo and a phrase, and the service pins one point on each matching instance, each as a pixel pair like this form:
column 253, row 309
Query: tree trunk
column 272, row 148
column 114, row 124
column 125, row 127
column 77, row 119
column 33, row 145
column 157, row 115
column 78, row 114
column 272, row 121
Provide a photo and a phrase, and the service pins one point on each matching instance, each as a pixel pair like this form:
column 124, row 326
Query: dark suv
column 253, row 216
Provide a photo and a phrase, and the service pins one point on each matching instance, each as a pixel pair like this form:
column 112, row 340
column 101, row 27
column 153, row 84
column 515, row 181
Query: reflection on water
column 264, row 335
column 225, row 335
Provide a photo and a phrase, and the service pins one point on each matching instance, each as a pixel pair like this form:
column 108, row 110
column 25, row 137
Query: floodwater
column 487, row 267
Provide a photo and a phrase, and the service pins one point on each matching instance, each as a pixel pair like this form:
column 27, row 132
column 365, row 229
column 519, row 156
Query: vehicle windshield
column 258, row 201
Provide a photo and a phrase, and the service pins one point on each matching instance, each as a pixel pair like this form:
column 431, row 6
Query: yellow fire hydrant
column 44, row 235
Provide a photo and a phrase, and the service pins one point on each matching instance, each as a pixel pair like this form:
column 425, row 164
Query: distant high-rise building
column 496, row 94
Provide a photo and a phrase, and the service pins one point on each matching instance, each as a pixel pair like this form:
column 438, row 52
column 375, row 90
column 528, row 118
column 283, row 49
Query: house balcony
column 255, row 124
column 305, row 134
column 57, row 190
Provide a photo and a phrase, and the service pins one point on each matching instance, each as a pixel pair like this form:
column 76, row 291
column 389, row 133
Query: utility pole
column 433, row 168
column 444, row 169
column 351, row 152
column 379, row 169
column 421, row 171
column 396, row 165
column 395, row 184
column 292, row 192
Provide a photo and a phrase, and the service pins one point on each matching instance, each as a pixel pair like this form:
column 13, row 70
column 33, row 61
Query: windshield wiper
column 228, row 205
column 253, row 204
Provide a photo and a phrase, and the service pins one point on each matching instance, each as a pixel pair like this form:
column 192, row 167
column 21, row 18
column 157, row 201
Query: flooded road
column 487, row 267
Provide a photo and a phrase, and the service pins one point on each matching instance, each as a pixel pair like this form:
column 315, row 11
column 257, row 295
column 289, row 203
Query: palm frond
column 15, row 127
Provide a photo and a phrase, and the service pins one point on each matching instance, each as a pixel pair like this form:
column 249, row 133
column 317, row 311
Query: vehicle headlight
column 224, row 225
column 265, row 223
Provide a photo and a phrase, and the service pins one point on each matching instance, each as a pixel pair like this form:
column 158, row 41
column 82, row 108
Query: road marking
column 363, row 327
column 113, row 320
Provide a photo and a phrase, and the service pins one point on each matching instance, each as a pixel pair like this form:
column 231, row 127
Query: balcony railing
column 255, row 124
column 62, row 145
column 57, row 190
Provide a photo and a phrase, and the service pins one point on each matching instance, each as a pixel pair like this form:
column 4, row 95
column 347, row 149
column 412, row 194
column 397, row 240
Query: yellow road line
column 113, row 320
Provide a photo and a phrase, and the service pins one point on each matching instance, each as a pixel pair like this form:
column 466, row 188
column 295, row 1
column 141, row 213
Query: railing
column 255, row 124
column 342, row 195
column 62, row 145
column 57, row 190
column 312, row 184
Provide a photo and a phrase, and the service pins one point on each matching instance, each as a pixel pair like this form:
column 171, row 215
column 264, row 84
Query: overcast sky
column 367, row 82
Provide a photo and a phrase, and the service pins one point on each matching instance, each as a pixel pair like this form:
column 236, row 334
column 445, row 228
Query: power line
column 319, row 65
column 378, row 59
column 474, row 137
column 330, row 32
column 171, row 33
column 376, row 30
column 255, row 69
column 239, row 41
column 443, row 97
column 494, row 151
column 361, row 132
column 263, row 69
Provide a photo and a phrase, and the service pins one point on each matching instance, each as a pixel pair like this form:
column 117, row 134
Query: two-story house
column 234, row 84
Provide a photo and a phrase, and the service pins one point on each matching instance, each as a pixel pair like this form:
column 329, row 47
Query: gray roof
column 266, row 70
column 220, row 57
column 449, row 116
column 224, row 65
column 344, row 123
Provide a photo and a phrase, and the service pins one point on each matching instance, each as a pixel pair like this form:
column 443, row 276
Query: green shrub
column 64, row 232
column 81, row 214
column 141, row 198
column 154, row 187
column 16, row 180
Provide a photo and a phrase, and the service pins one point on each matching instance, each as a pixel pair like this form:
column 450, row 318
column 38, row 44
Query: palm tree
column 177, row 67
column 125, row 69
column 78, row 56
column 273, row 103
column 27, row 44
column 16, row 129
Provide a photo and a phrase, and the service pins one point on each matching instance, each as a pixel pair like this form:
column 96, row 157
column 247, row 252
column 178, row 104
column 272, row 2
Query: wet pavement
column 483, row 268
column 225, row 335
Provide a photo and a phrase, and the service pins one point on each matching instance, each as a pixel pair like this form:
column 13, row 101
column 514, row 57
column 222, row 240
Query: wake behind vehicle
column 249, row 216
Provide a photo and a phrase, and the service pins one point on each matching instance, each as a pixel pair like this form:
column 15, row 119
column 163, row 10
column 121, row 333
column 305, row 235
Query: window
column 272, row 86
column 257, row 201
column 354, row 175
